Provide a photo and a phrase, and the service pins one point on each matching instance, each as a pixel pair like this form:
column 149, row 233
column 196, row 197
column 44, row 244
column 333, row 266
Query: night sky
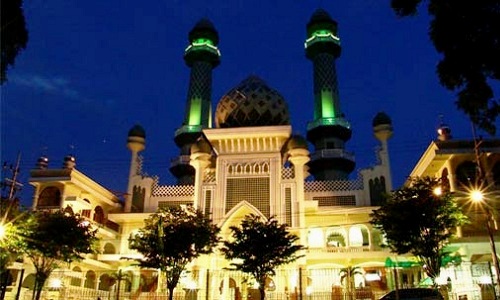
column 91, row 71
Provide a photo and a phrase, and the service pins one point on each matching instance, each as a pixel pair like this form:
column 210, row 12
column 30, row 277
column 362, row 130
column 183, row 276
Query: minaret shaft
column 329, row 130
column 199, row 105
column 326, row 93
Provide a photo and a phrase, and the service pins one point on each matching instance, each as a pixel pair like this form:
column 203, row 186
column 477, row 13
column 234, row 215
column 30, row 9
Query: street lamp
column 477, row 196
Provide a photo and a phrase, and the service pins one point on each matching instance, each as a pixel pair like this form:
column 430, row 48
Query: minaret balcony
column 188, row 129
column 202, row 47
column 332, row 153
column 180, row 160
column 322, row 38
column 329, row 122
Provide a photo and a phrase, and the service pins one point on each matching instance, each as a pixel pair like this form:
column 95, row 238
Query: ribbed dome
column 137, row 131
column 381, row 119
column 251, row 103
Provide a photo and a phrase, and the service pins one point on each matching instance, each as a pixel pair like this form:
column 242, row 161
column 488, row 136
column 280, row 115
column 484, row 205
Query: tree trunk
column 262, row 290
column 40, row 279
column 171, row 293
column 118, row 289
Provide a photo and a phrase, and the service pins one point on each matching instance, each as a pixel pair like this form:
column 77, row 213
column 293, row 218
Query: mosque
column 243, row 158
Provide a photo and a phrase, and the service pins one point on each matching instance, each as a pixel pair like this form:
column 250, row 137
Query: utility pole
column 10, row 186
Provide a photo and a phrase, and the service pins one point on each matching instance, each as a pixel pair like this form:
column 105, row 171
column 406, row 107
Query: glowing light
column 195, row 111
column 476, row 195
column 55, row 283
column 438, row 191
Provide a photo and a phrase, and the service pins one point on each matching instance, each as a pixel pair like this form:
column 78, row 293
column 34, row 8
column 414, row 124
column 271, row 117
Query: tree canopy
column 258, row 247
column 172, row 238
column 47, row 245
column 417, row 220
column 467, row 34
column 14, row 223
column 13, row 34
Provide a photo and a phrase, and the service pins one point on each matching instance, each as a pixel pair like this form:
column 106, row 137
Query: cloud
column 52, row 85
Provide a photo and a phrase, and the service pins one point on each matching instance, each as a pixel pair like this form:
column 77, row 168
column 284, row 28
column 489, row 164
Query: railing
column 180, row 160
column 112, row 225
column 339, row 249
column 332, row 153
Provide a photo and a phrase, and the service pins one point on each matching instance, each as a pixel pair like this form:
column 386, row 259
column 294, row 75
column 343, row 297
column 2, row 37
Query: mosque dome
column 137, row 131
column 251, row 103
column 381, row 119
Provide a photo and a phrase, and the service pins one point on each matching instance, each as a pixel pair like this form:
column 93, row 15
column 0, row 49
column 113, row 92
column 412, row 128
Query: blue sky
column 90, row 72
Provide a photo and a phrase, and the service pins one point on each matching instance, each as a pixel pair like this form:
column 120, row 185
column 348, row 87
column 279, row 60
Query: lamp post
column 478, row 197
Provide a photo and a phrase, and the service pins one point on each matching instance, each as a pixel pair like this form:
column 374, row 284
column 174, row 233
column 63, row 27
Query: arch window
column 336, row 237
column 358, row 236
column 49, row 197
column 76, row 279
column 105, row 282
column 68, row 210
column 99, row 215
column 315, row 238
column 90, row 278
column 109, row 249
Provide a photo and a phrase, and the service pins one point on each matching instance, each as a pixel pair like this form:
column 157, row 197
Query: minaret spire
column 329, row 130
column 201, row 55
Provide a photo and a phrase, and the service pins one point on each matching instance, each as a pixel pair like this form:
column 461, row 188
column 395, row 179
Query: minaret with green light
column 201, row 55
column 329, row 130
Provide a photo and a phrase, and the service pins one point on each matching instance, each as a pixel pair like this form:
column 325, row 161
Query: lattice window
column 254, row 190
column 208, row 201
column 349, row 200
column 287, row 173
column 338, row 185
column 166, row 204
column 288, row 206
column 173, row 190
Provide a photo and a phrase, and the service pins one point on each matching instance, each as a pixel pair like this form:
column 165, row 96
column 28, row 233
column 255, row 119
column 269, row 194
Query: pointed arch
column 237, row 214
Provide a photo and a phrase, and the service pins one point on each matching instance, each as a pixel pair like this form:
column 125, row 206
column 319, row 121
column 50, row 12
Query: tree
column 348, row 274
column 118, row 277
column 172, row 238
column 467, row 35
column 14, row 223
column 57, row 237
column 13, row 34
column 419, row 221
column 259, row 247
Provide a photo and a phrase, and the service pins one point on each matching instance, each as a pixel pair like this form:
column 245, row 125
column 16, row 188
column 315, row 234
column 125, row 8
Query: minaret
column 136, row 142
column 202, row 55
column 329, row 130
column 382, row 129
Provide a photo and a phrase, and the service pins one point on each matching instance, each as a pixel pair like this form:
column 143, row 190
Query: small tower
column 136, row 142
column 329, row 130
column 202, row 55
column 69, row 162
column 444, row 132
column 42, row 163
column 382, row 129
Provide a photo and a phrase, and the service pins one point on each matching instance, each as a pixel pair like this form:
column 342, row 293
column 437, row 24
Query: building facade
column 239, row 159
